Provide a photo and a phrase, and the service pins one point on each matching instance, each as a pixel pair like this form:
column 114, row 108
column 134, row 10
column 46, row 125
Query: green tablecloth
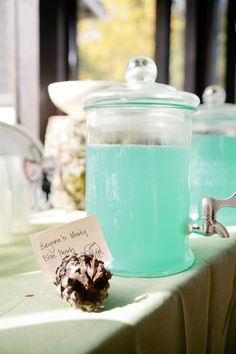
column 191, row 312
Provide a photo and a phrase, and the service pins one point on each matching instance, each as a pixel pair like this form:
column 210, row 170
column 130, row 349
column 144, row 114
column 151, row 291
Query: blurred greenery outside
column 127, row 29
column 106, row 45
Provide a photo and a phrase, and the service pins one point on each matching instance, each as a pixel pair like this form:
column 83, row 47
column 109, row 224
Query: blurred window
column 177, row 44
column 7, row 62
column 221, row 44
column 19, row 63
column 111, row 33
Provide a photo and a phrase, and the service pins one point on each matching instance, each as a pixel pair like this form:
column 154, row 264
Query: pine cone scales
column 83, row 281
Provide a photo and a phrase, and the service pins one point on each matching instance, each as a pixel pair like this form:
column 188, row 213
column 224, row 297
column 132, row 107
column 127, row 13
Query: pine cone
column 83, row 281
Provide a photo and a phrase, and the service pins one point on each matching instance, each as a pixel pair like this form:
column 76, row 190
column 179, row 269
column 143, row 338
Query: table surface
column 190, row 312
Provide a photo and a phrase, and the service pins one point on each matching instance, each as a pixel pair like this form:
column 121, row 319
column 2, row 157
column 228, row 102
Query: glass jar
column 138, row 161
column 213, row 169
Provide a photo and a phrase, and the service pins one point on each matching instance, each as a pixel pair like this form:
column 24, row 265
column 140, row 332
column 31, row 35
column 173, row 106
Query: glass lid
column 214, row 106
column 141, row 90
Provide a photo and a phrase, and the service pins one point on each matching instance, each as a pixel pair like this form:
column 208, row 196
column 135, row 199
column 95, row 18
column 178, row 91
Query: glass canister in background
column 19, row 149
column 138, row 160
column 5, row 203
column 213, row 169
column 65, row 141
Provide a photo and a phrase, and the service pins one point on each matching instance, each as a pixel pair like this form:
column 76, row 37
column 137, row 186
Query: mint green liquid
column 213, row 172
column 140, row 195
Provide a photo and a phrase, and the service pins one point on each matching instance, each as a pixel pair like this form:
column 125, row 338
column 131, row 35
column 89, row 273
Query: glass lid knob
column 214, row 95
column 141, row 69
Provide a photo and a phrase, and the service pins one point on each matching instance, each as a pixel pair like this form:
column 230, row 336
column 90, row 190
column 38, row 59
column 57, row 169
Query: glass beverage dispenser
column 138, row 161
column 213, row 169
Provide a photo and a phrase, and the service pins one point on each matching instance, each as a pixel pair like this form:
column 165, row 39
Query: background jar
column 213, row 171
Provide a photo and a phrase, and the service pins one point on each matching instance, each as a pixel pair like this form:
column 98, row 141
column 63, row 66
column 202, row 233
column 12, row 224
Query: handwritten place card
column 83, row 236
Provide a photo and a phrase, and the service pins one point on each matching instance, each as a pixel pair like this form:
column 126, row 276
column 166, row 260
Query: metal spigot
column 210, row 225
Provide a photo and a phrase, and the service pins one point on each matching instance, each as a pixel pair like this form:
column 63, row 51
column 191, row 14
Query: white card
column 83, row 236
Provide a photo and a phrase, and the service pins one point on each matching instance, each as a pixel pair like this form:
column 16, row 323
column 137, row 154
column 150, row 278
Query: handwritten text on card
column 83, row 236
